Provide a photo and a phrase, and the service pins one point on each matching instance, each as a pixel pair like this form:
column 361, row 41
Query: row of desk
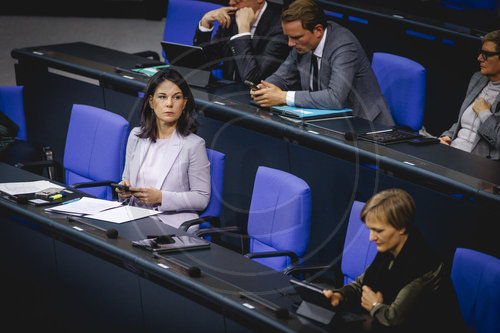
column 451, row 187
column 69, row 276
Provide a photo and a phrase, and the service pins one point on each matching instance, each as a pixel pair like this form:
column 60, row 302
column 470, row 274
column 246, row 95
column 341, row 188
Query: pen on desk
column 69, row 201
column 381, row 131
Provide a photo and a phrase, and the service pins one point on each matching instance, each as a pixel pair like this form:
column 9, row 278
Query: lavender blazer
column 184, row 176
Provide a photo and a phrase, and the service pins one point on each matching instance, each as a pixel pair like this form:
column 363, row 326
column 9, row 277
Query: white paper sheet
column 84, row 206
column 123, row 214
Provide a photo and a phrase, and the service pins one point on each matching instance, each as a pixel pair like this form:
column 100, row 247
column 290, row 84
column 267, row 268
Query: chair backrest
column 217, row 162
column 279, row 216
column 12, row 105
column 403, row 83
column 476, row 278
column 182, row 19
column 95, row 148
column 358, row 251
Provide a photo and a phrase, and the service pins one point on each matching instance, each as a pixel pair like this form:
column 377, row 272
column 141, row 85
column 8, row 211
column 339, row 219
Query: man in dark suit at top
column 249, row 40
column 344, row 76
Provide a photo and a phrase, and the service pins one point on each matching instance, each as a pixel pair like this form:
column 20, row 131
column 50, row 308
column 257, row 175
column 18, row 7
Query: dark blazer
column 253, row 58
column 346, row 78
column 487, row 142
column 418, row 295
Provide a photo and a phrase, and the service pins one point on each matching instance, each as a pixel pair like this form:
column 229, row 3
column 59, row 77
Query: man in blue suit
column 344, row 77
column 249, row 40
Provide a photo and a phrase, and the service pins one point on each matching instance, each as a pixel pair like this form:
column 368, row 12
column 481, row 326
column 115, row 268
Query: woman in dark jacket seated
column 406, row 288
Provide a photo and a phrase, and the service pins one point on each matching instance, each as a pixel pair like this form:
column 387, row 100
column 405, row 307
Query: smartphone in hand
column 250, row 85
column 120, row 187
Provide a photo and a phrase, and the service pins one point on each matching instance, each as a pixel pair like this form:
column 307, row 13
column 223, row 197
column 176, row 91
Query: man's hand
column 481, row 105
column 446, row 140
column 221, row 14
column 245, row 17
column 335, row 297
column 268, row 95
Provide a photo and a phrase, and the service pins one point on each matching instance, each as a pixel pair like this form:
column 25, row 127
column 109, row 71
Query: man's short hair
column 307, row 11
column 494, row 37
column 395, row 206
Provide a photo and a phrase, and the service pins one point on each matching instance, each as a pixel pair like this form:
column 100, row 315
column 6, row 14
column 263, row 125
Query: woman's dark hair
column 187, row 122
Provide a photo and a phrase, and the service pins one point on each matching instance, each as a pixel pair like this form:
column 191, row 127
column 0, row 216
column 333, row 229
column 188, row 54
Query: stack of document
column 104, row 210
column 17, row 188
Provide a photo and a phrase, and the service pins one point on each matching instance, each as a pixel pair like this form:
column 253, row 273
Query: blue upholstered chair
column 403, row 83
column 476, row 278
column 358, row 251
column 210, row 217
column 95, row 149
column 217, row 162
column 357, row 255
column 182, row 19
column 12, row 105
column 279, row 218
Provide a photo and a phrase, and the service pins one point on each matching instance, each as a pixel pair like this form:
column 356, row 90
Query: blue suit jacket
column 346, row 78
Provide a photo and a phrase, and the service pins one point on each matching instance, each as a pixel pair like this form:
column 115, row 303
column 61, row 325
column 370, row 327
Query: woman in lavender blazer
column 166, row 164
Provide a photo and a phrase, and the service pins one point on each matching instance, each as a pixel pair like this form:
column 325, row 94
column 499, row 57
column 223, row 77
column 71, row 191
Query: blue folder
column 307, row 113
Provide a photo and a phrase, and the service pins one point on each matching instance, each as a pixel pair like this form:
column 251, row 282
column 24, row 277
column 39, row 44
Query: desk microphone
column 280, row 312
column 192, row 271
column 350, row 136
column 111, row 232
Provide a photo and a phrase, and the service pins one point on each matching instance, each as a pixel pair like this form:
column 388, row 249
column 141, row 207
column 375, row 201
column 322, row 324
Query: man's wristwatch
column 374, row 304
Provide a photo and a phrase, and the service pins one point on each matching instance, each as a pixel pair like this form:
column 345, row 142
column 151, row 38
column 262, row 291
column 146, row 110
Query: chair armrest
column 91, row 184
column 148, row 54
column 214, row 220
column 40, row 164
column 292, row 255
column 315, row 271
column 216, row 231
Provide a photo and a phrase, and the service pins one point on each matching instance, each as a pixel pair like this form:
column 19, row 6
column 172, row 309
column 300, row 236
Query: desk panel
column 94, row 294
column 26, row 251
column 89, row 282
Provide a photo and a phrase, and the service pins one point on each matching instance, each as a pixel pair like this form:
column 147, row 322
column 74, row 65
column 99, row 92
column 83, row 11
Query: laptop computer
column 183, row 55
column 192, row 63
